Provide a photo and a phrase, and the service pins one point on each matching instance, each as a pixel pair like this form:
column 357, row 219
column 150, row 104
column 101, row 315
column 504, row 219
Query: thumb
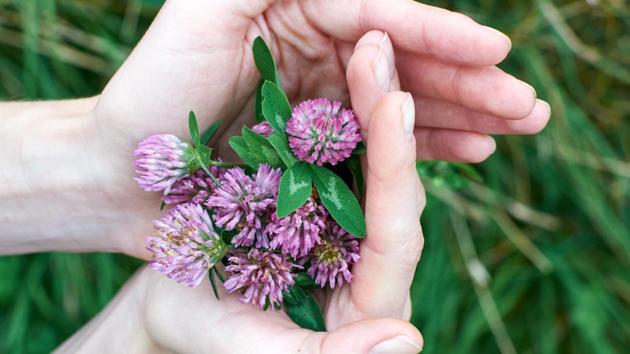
column 393, row 204
column 377, row 336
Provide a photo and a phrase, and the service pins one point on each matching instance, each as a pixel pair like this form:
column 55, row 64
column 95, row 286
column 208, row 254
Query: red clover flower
column 321, row 132
column 185, row 245
column 261, row 275
column 161, row 160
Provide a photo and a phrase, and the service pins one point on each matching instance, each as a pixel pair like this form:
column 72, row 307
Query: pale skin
column 66, row 177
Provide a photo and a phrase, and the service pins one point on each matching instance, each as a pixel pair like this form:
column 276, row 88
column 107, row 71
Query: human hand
column 152, row 314
column 368, row 315
column 196, row 56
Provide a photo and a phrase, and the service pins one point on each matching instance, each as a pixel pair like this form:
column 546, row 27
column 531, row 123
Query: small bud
column 161, row 160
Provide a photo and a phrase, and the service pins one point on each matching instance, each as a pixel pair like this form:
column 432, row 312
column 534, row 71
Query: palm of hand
column 215, row 75
column 194, row 321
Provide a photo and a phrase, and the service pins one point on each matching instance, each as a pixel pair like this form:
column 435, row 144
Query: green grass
column 535, row 259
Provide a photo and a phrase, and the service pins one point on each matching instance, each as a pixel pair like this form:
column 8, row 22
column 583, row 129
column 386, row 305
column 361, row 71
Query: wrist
column 51, row 194
column 120, row 327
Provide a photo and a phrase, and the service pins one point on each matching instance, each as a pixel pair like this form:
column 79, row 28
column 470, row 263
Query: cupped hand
column 358, row 316
column 197, row 56
column 369, row 315
column 153, row 314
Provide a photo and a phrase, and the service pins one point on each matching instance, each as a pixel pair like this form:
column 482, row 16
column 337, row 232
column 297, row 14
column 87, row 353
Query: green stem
column 226, row 164
column 214, row 179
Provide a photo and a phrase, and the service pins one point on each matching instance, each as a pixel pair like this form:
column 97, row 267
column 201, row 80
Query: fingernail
column 383, row 66
column 530, row 87
column 397, row 345
column 498, row 34
column 408, row 116
column 546, row 105
column 492, row 145
column 388, row 49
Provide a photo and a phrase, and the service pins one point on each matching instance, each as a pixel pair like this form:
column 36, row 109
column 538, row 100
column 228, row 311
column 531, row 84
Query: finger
column 453, row 145
column 414, row 27
column 371, row 73
column 394, row 201
column 380, row 336
column 484, row 89
column 432, row 113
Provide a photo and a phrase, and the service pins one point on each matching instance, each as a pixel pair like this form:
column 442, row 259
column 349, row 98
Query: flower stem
column 226, row 164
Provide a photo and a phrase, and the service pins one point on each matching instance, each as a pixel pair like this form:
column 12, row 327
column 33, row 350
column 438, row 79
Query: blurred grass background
column 534, row 259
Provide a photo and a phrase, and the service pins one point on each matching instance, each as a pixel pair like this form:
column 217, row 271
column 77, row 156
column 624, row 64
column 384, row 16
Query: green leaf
column 191, row 156
column 219, row 275
column 354, row 164
column 264, row 61
column 214, row 285
column 205, row 153
column 279, row 143
column 237, row 143
column 227, row 236
column 260, row 149
column 339, row 200
column 295, row 188
column 193, row 128
column 305, row 281
column 306, row 313
column 294, row 295
column 267, row 69
column 259, row 98
column 275, row 106
column 359, row 149
column 209, row 133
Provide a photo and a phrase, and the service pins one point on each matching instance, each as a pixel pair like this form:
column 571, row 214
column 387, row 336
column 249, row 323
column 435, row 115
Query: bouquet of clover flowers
column 283, row 221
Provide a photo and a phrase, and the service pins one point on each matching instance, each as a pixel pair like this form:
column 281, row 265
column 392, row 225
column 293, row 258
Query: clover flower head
column 245, row 203
column 297, row 233
column 261, row 275
column 321, row 132
column 185, row 245
column 330, row 261
column 194, row 188
column 160, row 160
